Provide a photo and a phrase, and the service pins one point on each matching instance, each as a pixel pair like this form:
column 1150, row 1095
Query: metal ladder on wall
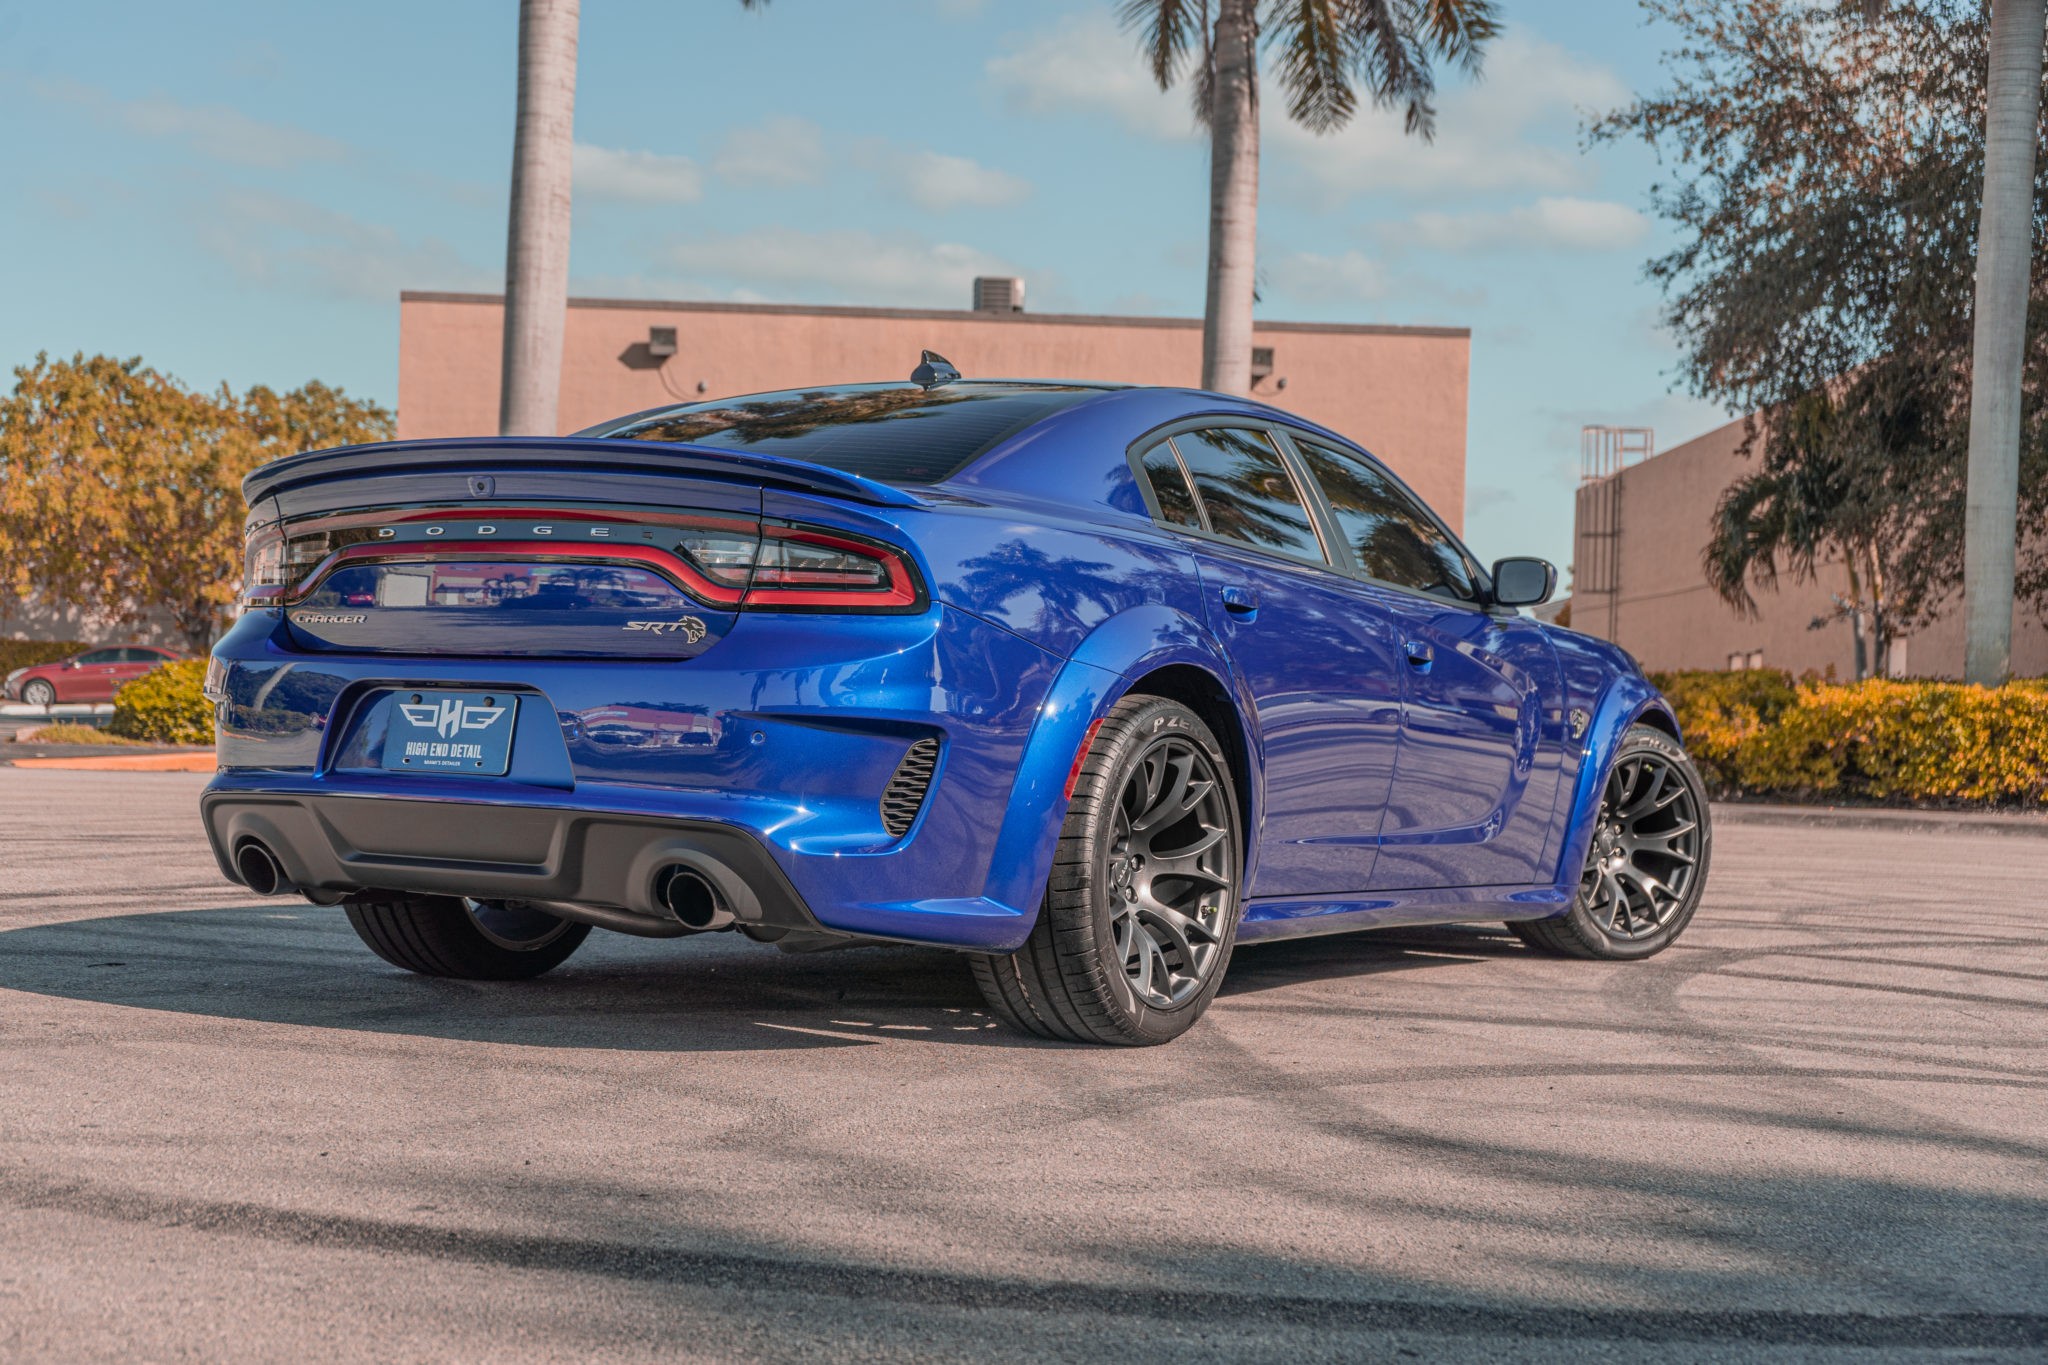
column 1596, row 561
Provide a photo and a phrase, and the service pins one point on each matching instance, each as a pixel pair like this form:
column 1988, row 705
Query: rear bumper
column 768, row 778
column 340, row 844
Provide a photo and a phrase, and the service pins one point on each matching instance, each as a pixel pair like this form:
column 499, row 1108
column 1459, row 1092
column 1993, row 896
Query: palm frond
column 1312, row 64
column 1331, row 48
column 1166, row 29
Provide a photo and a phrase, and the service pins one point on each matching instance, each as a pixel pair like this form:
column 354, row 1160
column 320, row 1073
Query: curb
column 1869, row 817
column 126, row 763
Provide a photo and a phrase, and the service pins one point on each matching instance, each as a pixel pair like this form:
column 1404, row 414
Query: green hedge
column 28, row 653
column 1760, row 732
column 166, row 706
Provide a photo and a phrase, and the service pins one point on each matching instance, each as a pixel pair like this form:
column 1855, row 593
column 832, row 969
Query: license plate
column 450, row 732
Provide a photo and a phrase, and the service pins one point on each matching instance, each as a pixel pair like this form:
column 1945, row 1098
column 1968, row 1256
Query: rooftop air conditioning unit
column 998, row 294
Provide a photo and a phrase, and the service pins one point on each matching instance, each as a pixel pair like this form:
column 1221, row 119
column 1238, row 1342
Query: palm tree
column 2005, row 235
column 537, row 245
column 537, row 241
column 1328, row 50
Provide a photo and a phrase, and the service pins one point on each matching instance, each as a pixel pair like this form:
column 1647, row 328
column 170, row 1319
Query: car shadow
column 303, row 965
column 1295, row 961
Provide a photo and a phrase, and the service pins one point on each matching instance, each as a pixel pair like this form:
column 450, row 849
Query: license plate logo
column 451, row 732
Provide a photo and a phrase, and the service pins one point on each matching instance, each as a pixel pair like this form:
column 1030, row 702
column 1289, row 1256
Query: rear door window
column 1247, row 492
column 1391, row 534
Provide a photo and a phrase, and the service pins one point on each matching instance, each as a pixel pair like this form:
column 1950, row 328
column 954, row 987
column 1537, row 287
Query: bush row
column 1761, row 732
column 166, row 706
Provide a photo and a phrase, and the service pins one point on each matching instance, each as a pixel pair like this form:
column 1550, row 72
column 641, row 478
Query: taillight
column 263, row 572
column 804, row 568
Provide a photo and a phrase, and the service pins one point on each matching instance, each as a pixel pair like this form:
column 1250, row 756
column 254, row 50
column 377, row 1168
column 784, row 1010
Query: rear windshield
column 890, row 433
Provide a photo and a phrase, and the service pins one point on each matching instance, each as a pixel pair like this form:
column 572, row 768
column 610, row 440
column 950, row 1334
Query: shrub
column 166, row 706
column 1720, row 713
column 28, row 653
column 1758, row 732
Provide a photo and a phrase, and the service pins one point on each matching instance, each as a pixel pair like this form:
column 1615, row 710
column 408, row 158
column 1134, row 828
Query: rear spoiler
column 606, row 455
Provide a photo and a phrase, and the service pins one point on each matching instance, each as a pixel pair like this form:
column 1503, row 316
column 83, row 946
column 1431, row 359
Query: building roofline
column 945, row 315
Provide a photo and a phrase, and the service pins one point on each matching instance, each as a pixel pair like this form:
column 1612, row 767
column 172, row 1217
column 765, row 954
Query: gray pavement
column 1814, row 1130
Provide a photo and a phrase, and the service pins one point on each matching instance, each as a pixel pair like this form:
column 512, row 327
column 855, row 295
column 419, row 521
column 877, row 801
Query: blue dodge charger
column 1090, row 683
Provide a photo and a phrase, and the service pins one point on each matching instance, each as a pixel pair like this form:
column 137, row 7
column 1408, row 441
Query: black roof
column 894, row 433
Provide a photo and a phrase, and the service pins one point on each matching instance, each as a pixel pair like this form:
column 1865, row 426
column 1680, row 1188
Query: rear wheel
column 39, row 692
column 470, row 940
column 1647, row 865
column 1141, row 911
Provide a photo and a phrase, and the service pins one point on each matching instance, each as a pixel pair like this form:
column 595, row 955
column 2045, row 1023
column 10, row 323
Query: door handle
column 1240, row 599
column 1420, row 655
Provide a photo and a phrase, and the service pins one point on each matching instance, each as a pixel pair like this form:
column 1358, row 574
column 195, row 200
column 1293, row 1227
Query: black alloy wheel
column 1646, row 865
column 1141, row 911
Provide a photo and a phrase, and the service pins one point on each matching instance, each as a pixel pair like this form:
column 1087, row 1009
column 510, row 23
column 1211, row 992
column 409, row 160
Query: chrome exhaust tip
column 259, row 868
column 690, row 898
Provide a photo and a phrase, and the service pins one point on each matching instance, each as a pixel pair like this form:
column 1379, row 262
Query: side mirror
column 1523, row 582
column 73, row 663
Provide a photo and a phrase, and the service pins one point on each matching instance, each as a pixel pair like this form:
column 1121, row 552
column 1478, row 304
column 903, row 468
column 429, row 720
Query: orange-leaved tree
column 120, row 488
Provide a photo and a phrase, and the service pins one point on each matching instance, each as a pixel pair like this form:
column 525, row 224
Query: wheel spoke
column 1175, row 802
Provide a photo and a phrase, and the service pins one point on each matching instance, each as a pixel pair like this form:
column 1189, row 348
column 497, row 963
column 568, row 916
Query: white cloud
column 1352, row 277
column 277, row 241
column 212, row 130
column 1489, row 132
column 782, row 151
column 1557, row 223
column 1087, row 65
column 861, row 267
column 938, row 183
column 636, row 177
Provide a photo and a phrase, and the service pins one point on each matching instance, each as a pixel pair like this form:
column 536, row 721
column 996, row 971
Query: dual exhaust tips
column 686, row 895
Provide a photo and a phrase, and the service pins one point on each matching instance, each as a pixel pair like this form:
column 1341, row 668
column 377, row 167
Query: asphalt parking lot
column 1817, row 1129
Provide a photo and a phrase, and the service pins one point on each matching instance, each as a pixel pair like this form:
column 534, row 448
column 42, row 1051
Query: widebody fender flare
column 1114, row 656
column 1623, row 703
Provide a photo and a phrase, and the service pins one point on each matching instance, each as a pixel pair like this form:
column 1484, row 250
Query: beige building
column 1638, row 538
column 1399, row 391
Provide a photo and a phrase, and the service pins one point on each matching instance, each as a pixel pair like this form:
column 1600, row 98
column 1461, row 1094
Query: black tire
column 38, row 692
column 1122, row 954
column 1654, row 861
column 444, row 936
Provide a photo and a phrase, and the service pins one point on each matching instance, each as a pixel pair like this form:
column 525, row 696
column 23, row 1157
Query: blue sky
column 237, row 191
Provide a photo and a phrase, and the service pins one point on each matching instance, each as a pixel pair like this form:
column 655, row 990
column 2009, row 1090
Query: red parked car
column 92, row 676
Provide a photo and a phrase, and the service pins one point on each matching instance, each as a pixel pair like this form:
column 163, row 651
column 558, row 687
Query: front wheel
column 466, row 939
column 39, row 692
column 1141, row 911
column 1647, row 864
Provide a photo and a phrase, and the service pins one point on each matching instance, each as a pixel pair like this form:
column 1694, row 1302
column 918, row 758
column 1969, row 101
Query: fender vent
column 904, row 795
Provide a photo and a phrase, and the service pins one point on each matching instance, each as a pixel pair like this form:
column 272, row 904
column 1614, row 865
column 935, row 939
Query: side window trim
column 1292, row 441
column 1336, row 555
column 1310, row 502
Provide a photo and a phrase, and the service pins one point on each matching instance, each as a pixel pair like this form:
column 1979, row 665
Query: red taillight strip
column 902, row 594
column 670, row 566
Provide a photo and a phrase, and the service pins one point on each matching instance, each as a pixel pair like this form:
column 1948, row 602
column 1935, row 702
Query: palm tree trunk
column 537, row 245
column 1233, row 199
column 2004, row 254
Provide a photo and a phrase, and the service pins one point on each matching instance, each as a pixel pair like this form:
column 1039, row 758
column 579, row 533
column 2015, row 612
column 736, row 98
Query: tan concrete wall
column 1667, row 616
column 1400, row 392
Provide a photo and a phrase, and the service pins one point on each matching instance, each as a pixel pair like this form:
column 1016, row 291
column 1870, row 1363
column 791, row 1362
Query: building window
column 1743, row 660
